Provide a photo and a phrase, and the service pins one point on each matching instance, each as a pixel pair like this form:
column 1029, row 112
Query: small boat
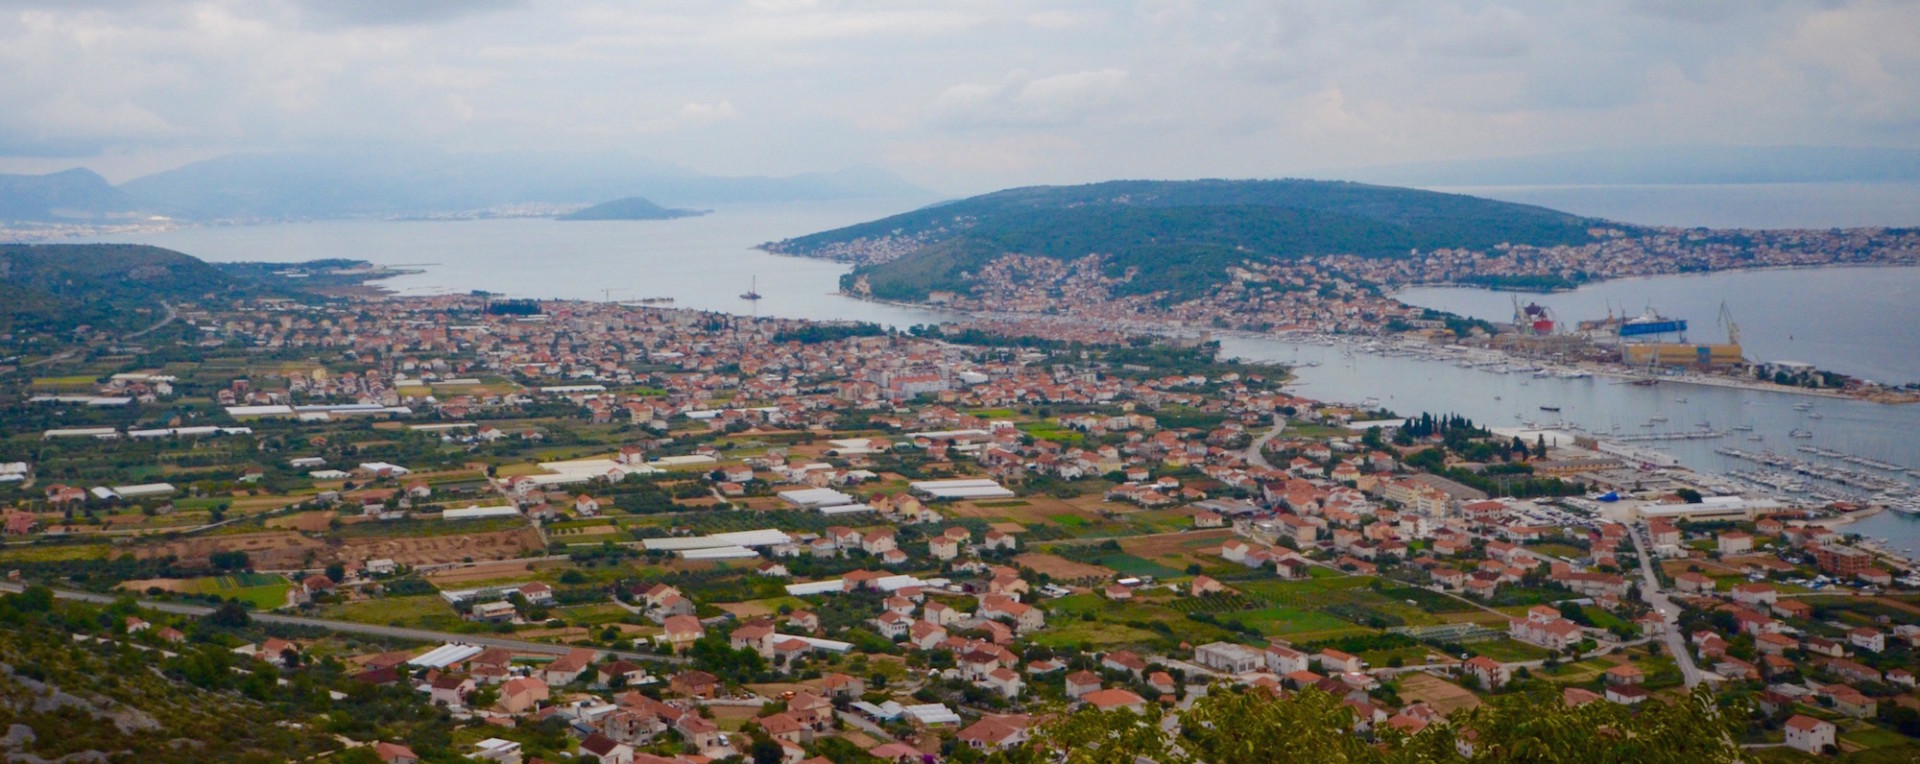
column 1800, row 434
column 1743, row 428
column 1756, row 437
column 1549, row 408
column 1656, row 418
column 1681, row 399
column 1816, row 415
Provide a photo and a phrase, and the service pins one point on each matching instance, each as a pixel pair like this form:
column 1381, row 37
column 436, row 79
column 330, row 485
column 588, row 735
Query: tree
column 1092, row 736
column 230, row 615
column 1252, row 726
column 336, row 572
column 33, row 599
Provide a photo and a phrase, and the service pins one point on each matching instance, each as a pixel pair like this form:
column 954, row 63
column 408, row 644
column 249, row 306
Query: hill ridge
column 1177, row 236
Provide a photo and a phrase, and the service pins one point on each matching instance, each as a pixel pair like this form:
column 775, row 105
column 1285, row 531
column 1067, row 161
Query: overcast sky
column 959, row 97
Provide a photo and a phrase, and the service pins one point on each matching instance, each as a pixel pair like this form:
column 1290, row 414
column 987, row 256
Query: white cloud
column 963, row 96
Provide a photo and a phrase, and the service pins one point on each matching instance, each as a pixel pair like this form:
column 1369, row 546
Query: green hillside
column 54, row 287
column 1180, row 234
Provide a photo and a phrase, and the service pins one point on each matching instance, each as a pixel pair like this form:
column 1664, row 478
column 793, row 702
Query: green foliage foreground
column 1231, row 726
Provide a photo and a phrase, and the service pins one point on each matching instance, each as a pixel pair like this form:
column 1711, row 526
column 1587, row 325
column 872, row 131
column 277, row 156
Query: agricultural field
column 426, row 611
column 1445, row 697
column 1061, row 568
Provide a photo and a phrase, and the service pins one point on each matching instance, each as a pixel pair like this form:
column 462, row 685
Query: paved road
column 1651, row 592
column 172, row 314
column 1256, row 453
column 369, row 629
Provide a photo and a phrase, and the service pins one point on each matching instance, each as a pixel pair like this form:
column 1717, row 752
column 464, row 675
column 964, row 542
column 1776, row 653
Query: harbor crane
column 1726, row 319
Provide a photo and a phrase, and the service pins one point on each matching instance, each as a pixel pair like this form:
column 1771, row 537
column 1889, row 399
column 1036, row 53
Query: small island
column 630, row 208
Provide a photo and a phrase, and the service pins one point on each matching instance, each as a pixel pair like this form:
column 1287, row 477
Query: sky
column 957, row 97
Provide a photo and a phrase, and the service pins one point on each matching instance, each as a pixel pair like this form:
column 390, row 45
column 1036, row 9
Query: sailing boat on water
column 753, row 289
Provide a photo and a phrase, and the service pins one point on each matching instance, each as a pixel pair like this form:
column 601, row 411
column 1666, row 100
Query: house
column 754, row 636
column 608, row 750
column 1334, row 661
column 1755, row 594
column 783, row 726
column 1004, row 681
column 1627, row 694
column 1694, row 583
column 1544, row 627
column 522, row 694
column 1285, row 660
column 1871, row 640
column 1491, row 673
column 567, row 668
column 694, row 684
column 1080, row 683
column 1851, row 702
column 1124, row 660
column 1108, row 700
column 450, row 689
column 681, row 631
column 1229, row 657
column 1808, row 734
column 839, row 685
column 1205, row 585
column 395, row 753
column 620, row 671
column 1025, row 618
column 1735, row 542
column 991, row 733
column 1625, row 673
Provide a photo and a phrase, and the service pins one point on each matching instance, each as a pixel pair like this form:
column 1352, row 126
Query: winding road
column 1256, row 453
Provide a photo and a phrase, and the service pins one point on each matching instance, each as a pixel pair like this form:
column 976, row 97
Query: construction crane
column 1726, row 319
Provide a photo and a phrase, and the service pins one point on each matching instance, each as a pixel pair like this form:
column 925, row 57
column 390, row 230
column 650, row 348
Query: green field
column 1285, row 621
column 54, row 552
column 1135, row 566
column 424, row 610
column 264, row 591
column 1099, row 633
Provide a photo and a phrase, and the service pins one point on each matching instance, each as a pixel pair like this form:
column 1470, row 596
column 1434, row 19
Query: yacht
column 1800, row 434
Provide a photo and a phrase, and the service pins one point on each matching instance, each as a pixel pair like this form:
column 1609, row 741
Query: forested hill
column 58, row 286
column 1182, row 235
column 630, row 208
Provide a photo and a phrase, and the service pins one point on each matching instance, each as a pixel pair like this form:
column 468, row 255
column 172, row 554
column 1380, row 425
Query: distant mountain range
column 76, row 194
column 630, row 208
column 1663, row 165
column 1180, row 235
column 292, row 185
